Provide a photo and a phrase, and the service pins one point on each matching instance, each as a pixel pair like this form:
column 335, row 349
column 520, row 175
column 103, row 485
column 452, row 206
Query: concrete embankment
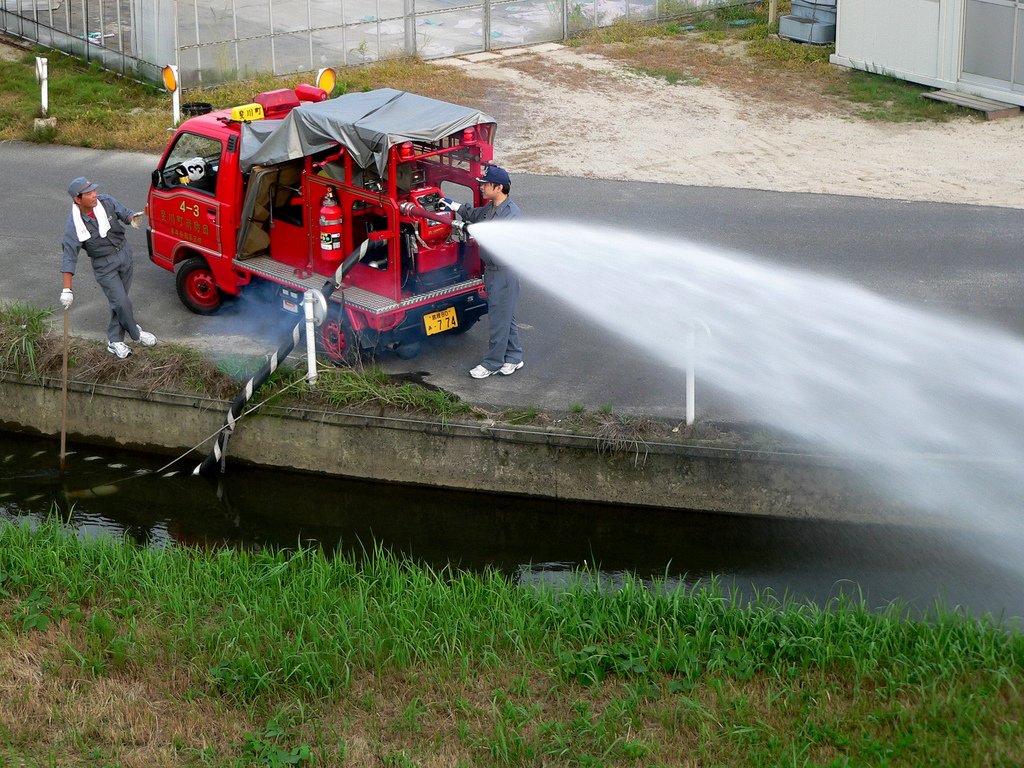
column 481, row 456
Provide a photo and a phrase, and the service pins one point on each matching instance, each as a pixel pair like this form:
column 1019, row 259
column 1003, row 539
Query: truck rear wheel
column 336, row 339
column 197, row 287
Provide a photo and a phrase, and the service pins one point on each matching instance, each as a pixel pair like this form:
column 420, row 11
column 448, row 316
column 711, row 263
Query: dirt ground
column 574, row 112
column 586, row 112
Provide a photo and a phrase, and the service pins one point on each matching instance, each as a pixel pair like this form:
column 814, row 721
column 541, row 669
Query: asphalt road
column 947, row 258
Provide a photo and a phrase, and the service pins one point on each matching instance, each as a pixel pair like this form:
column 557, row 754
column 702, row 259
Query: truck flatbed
column 372, row 303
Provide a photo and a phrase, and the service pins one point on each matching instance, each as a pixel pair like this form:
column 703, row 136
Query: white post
column 691, row 357
column 307, row 307
column 170, row 77
column 691, row 353
column 176, row 102
column 43, row 78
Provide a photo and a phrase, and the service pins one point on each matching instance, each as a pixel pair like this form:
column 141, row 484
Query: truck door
column 184, row 207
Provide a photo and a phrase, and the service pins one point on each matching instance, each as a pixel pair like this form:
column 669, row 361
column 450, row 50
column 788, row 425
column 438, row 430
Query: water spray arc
column 926, row 408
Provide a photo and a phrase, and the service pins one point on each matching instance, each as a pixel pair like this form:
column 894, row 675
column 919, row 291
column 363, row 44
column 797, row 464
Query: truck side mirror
column 157, row 179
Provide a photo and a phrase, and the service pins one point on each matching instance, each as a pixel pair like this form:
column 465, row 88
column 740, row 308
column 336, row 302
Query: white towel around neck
column 101, row 220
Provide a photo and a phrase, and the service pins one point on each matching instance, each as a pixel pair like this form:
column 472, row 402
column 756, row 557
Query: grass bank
column 99, row 109
column 31, row 345
column 113, row 654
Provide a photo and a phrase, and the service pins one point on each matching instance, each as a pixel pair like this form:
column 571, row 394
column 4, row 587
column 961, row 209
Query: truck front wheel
column 197, row 287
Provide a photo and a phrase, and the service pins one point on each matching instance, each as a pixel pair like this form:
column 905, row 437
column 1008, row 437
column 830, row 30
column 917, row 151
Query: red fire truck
column 282, row 190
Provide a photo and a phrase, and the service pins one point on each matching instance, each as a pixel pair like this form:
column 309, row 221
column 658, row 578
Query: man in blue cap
column 95, row 225
column 504, row 352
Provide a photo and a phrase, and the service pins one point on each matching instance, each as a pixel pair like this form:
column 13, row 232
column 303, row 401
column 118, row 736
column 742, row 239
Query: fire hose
column 411, row 209
column 218, row 454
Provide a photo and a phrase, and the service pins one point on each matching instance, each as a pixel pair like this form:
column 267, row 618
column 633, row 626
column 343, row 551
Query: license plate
column 439, row 322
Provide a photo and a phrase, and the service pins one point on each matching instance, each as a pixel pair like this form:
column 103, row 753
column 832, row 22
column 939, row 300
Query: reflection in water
column 110, row 492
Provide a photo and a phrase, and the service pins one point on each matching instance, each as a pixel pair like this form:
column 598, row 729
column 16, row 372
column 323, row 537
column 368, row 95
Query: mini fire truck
column 288, row 188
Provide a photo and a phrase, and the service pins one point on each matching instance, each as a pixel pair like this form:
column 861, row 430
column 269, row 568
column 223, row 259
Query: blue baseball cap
column 496, row 175
column 80, row 186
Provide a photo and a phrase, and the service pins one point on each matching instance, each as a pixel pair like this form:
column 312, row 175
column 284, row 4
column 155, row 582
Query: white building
column 971, row 46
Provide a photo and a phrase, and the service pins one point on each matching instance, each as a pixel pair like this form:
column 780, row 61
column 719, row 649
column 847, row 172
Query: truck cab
column 289, row 188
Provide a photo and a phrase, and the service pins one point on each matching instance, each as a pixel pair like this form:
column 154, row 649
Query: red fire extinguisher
column 330, row 228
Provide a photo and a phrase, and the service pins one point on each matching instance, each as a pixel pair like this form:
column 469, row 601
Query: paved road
column 962, row 259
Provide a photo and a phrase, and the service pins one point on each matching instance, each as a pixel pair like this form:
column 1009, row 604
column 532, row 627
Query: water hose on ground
column 218, row 454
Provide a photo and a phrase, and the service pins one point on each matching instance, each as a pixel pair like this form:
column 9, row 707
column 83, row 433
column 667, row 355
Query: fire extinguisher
column 330, row 228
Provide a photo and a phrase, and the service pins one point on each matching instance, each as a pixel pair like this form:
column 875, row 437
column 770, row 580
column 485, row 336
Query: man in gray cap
column 504, row 352
column 95, row 225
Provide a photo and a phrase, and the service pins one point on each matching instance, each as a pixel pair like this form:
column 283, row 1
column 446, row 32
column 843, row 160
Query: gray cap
column 80, row 186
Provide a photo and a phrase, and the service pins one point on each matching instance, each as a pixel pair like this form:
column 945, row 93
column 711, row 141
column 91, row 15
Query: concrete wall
column 472, row 456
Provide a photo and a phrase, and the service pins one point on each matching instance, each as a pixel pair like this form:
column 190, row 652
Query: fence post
column 410, row 27
column 487, row 25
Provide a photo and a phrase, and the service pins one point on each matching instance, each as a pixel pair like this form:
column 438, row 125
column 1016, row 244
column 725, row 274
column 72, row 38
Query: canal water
column 102, row 492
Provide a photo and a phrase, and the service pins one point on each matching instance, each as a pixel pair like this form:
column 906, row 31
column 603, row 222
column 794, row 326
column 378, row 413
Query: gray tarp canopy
column 366, row 124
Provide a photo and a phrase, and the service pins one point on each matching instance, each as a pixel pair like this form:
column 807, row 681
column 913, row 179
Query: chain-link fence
column 223, row 40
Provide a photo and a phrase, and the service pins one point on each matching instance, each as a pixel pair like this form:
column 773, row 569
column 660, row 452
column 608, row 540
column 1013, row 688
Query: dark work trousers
column 502, row 295
column 114, row 274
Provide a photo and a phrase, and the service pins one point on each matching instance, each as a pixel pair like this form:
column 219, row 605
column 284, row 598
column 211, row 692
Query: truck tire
column 197, row 287
column 335, row 338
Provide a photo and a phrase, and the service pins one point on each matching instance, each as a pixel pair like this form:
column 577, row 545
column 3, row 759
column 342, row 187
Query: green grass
column 22, row 328
column 100, row 109
column 94, row 108
column 670, row 75
column 888, row 99
column 343, row 387
column 256, row 657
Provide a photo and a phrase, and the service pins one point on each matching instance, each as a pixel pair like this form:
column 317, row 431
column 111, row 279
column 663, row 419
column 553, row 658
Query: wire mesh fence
column 221, row 40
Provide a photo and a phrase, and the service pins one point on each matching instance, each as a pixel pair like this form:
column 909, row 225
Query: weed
column 343, row 387
column 22, row 331
column 521, row 415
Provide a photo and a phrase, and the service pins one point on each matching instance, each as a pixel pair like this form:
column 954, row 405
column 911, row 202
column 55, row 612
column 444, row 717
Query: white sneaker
column 481, row 373
column 146, row 338
column 119, row 348
column 509, row 368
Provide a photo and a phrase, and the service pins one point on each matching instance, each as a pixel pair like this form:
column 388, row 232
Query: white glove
column 136, row 220
column 66, row 297
column 450, row 204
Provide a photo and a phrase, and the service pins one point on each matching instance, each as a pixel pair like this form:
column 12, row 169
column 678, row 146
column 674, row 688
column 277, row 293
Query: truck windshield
column 193, row 161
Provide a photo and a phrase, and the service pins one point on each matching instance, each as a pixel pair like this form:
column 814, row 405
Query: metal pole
column 307, row 306
column 64, row 395
column 487, row 25
column 85, row 27
column 410, row 27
